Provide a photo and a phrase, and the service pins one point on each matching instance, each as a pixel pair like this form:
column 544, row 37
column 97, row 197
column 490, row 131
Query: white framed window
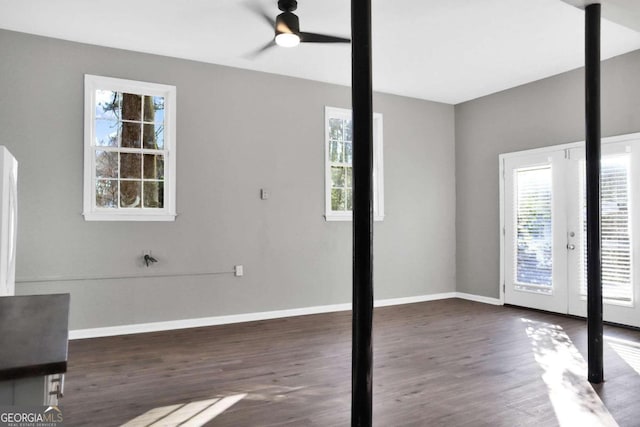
column 129, row 150
column 339, row 165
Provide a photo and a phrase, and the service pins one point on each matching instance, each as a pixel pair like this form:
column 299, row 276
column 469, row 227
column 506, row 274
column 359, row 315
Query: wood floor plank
column 440, row 363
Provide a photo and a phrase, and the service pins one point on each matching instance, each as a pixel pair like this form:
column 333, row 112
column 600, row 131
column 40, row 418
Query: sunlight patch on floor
column 565, row 374
column 629, row 351
column 192, row 414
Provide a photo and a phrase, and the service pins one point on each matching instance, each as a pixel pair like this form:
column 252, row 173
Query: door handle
column 571, row 246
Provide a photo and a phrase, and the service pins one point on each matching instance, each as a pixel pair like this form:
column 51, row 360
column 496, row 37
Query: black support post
column 361, row 98
column 594, row 262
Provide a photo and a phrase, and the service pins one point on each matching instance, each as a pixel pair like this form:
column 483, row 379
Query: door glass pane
column 615, row 229
column 533, row 248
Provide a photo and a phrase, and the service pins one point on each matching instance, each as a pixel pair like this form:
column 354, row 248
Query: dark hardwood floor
column 441, row 363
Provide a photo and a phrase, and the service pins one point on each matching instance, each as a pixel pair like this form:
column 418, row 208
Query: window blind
column 615, row 229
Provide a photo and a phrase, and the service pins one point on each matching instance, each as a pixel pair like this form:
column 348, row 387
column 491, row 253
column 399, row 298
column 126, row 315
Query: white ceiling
column 442, row 50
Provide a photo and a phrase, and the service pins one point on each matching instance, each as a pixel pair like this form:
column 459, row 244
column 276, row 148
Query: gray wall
column 238, row 131
column 543, row 113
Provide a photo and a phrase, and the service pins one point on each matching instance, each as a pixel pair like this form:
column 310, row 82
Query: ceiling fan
column 287, row 29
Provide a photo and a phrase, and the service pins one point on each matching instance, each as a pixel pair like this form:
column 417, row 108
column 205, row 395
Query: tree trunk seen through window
column 139, row 124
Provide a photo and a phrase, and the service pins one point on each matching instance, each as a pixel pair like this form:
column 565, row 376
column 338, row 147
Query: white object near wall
column 8, row 221
column 238, row 270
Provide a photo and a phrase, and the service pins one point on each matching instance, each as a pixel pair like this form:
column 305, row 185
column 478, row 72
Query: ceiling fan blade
column 321, row 38
column 254, row 54
column 261, row 13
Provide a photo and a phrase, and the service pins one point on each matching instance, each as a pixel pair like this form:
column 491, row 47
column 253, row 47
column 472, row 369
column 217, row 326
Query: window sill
column 348, row 217
column 126, row 216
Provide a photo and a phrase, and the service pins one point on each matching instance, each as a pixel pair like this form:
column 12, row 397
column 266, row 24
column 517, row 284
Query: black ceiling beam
column 592, row 147
column 361, row 99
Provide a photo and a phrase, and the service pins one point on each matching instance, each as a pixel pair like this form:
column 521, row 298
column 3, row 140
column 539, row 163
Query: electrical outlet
column 264, row 193
column 238, row 270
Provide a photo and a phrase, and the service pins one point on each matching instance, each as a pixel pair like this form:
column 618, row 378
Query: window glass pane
column 348, row 152
column 131, row 135
column 153, row 166
column 153, row 109
column 349, row 177
column 130, row 165
column 337, row 176
column 349, row 200
column 339, row 152
column 335, row 129
column 348, row 130
column 131, row 106
column 107, row 193
column 150, row 136
column 107, row 133
column 154, row 194
column 337, row 199
column 533, row 227
column 106, row 164
column 130, row 194
column 336, row 151
column 159, row 132
column 148, row 109
column 158, row 105
column 333, row 151
column 107, row 105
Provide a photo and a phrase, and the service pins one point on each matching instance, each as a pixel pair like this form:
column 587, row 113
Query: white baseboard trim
column 265, row 315
column 479, row 298
column 411, row 300
column 139, row 328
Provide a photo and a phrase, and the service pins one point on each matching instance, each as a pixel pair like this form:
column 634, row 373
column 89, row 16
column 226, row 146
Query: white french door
column 535, row 226
column 544, row 245
column 620, row 169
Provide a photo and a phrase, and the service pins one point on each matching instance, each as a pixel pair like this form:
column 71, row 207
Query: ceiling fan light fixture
column 287, row 30
column 287, row 40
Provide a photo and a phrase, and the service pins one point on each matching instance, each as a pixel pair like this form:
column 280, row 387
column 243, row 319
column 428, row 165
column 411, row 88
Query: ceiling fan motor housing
column 287, row 5
column 287, row 23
